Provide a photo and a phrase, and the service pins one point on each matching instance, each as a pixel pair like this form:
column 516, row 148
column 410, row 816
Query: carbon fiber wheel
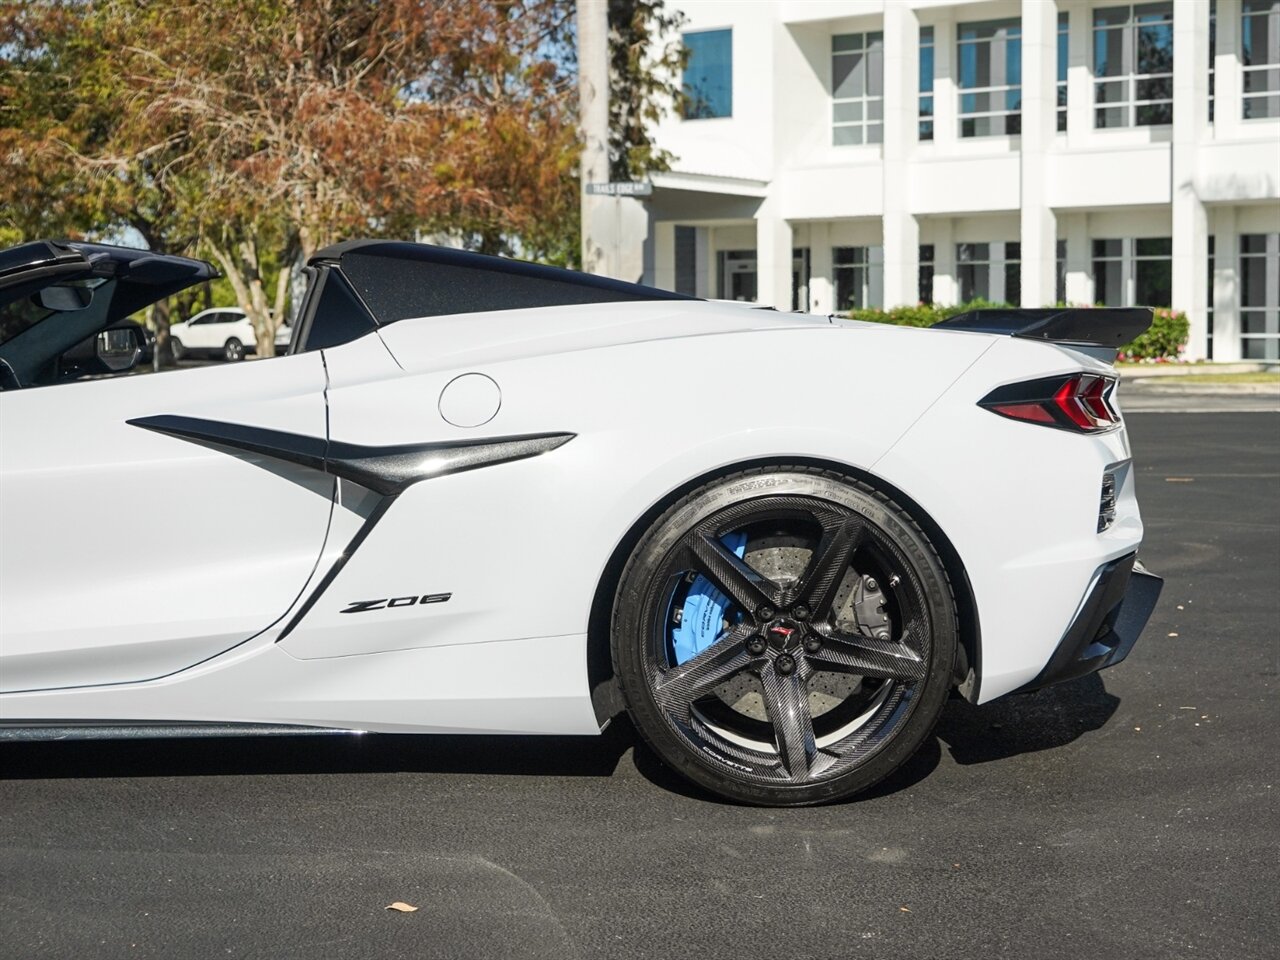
column 784, row 636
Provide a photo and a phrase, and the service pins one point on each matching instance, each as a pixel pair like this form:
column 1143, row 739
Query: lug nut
column 784, row 664
column 800, row 612
column 812, row 644
column 756, row 645
column 872, row 585
column 765, row 612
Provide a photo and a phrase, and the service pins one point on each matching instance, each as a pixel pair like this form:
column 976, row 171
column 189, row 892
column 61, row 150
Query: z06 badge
column 362, row 606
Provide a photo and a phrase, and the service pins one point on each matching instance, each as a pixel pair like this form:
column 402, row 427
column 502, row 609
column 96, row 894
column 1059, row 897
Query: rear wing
column 1086, row 326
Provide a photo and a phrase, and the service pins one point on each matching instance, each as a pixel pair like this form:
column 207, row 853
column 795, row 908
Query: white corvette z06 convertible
column 486, row 496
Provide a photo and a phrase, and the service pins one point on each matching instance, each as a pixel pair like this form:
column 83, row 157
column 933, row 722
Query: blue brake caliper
column 702, row 616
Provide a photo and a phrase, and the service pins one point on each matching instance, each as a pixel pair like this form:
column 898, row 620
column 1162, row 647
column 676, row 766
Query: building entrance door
column 737, row 275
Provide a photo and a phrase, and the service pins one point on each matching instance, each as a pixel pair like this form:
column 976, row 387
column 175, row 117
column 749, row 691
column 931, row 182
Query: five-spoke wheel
column 784, row 636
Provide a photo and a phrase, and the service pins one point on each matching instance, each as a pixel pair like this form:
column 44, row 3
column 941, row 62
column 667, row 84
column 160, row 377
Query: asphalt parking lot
column 1129, row 815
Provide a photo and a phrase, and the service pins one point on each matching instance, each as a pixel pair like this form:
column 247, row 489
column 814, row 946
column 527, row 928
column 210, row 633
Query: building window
column 1213, row 61
column 857, row 88
column 1153, row 271
column 1060, row 272
column 1208, row 351
column 800, row 276
column 924, row 275
column 973, row 269
column 1260, row 296
column 926, row 83
column 1063, row 60
column 990, row 58
column 687, row 260
column 859, row 277
column 989, row 271
column 1012, row 292
column 1260, row 54
column 1133, row 65
column 708, row 76
column 1133, row 272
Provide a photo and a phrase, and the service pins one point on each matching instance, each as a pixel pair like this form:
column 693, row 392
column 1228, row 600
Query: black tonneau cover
column 1089, row 326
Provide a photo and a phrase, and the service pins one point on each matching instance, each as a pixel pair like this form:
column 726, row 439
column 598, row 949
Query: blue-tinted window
column 708, row 77
column 1133, row 65
column 857, row 88
column 990, row 58
column 926, row 83
column 1260, row 54
column 1063, row 24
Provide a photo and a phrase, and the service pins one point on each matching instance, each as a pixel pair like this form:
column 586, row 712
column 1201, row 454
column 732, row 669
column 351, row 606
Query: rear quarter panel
column 1019, row 502
column 522, row 546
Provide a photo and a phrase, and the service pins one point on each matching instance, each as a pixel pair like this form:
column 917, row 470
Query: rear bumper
column 1113, row 615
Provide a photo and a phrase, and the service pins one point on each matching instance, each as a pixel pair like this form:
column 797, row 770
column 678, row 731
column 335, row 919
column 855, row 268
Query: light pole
column 593, row 113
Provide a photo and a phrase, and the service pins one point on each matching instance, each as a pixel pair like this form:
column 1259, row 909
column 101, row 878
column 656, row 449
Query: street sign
column 621, row 188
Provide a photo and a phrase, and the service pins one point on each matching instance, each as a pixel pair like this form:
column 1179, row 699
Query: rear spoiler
column 1088, row 326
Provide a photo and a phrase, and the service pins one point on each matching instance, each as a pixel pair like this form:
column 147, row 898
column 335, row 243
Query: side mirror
column 109, row 351
column 120, row 348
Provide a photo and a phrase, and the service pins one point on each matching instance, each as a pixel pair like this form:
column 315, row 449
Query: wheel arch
column 606, row 699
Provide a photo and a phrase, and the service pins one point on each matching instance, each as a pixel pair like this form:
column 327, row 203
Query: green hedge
column 1164, row 341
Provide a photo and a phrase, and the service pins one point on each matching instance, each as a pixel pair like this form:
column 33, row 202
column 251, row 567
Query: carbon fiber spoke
column 827, row 566
column 854, row 653
column 679, row 687
column 786, row 700
column 731, row 574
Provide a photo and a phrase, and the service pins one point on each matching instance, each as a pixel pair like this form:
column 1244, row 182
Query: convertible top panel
column 398, row 280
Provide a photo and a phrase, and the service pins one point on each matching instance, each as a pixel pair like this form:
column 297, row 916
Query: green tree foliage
column 646, row 58
column 257, row 131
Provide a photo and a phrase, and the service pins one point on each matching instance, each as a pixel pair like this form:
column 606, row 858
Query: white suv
column 224, row 332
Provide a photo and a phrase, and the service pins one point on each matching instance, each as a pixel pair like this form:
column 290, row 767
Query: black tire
column 233, row 350
column 851, row 642
column 179, row 351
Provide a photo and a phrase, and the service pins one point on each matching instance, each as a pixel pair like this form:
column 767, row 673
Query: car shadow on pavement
column 549, row 756
column 1025, row 723
column 1043, row 720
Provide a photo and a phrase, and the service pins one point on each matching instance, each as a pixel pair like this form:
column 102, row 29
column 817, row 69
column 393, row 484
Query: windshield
column 25, row 312
column 34, row 332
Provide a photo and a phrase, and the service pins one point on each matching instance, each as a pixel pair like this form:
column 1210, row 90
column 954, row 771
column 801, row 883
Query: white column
column 822, row 288
column 712, row 277
column 593, row 113
column 900, row 230
column 946, row 289
column 664, row 255
column 1226, row 285
column 773, row 258
column 945, row 89
column 1190, row 116
column 1079, row 77
column 1039, row 228
column 1228, row 84
column 1079, row 279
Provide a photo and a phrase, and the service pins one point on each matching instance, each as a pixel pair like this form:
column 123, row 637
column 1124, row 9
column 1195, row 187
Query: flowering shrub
column 1163, row 342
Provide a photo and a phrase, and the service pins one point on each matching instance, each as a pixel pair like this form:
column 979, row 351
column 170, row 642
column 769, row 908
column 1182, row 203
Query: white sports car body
column 486, row 496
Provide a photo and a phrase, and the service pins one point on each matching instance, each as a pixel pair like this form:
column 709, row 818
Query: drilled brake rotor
column 783, row 559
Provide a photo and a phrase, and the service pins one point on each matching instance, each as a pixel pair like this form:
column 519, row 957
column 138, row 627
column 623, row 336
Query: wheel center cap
column 784, row 634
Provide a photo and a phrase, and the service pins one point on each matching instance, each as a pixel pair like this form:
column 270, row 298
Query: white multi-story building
column 842, row 153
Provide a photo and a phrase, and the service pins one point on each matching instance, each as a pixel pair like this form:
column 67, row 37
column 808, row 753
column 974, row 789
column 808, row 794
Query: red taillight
column 1078, row 402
